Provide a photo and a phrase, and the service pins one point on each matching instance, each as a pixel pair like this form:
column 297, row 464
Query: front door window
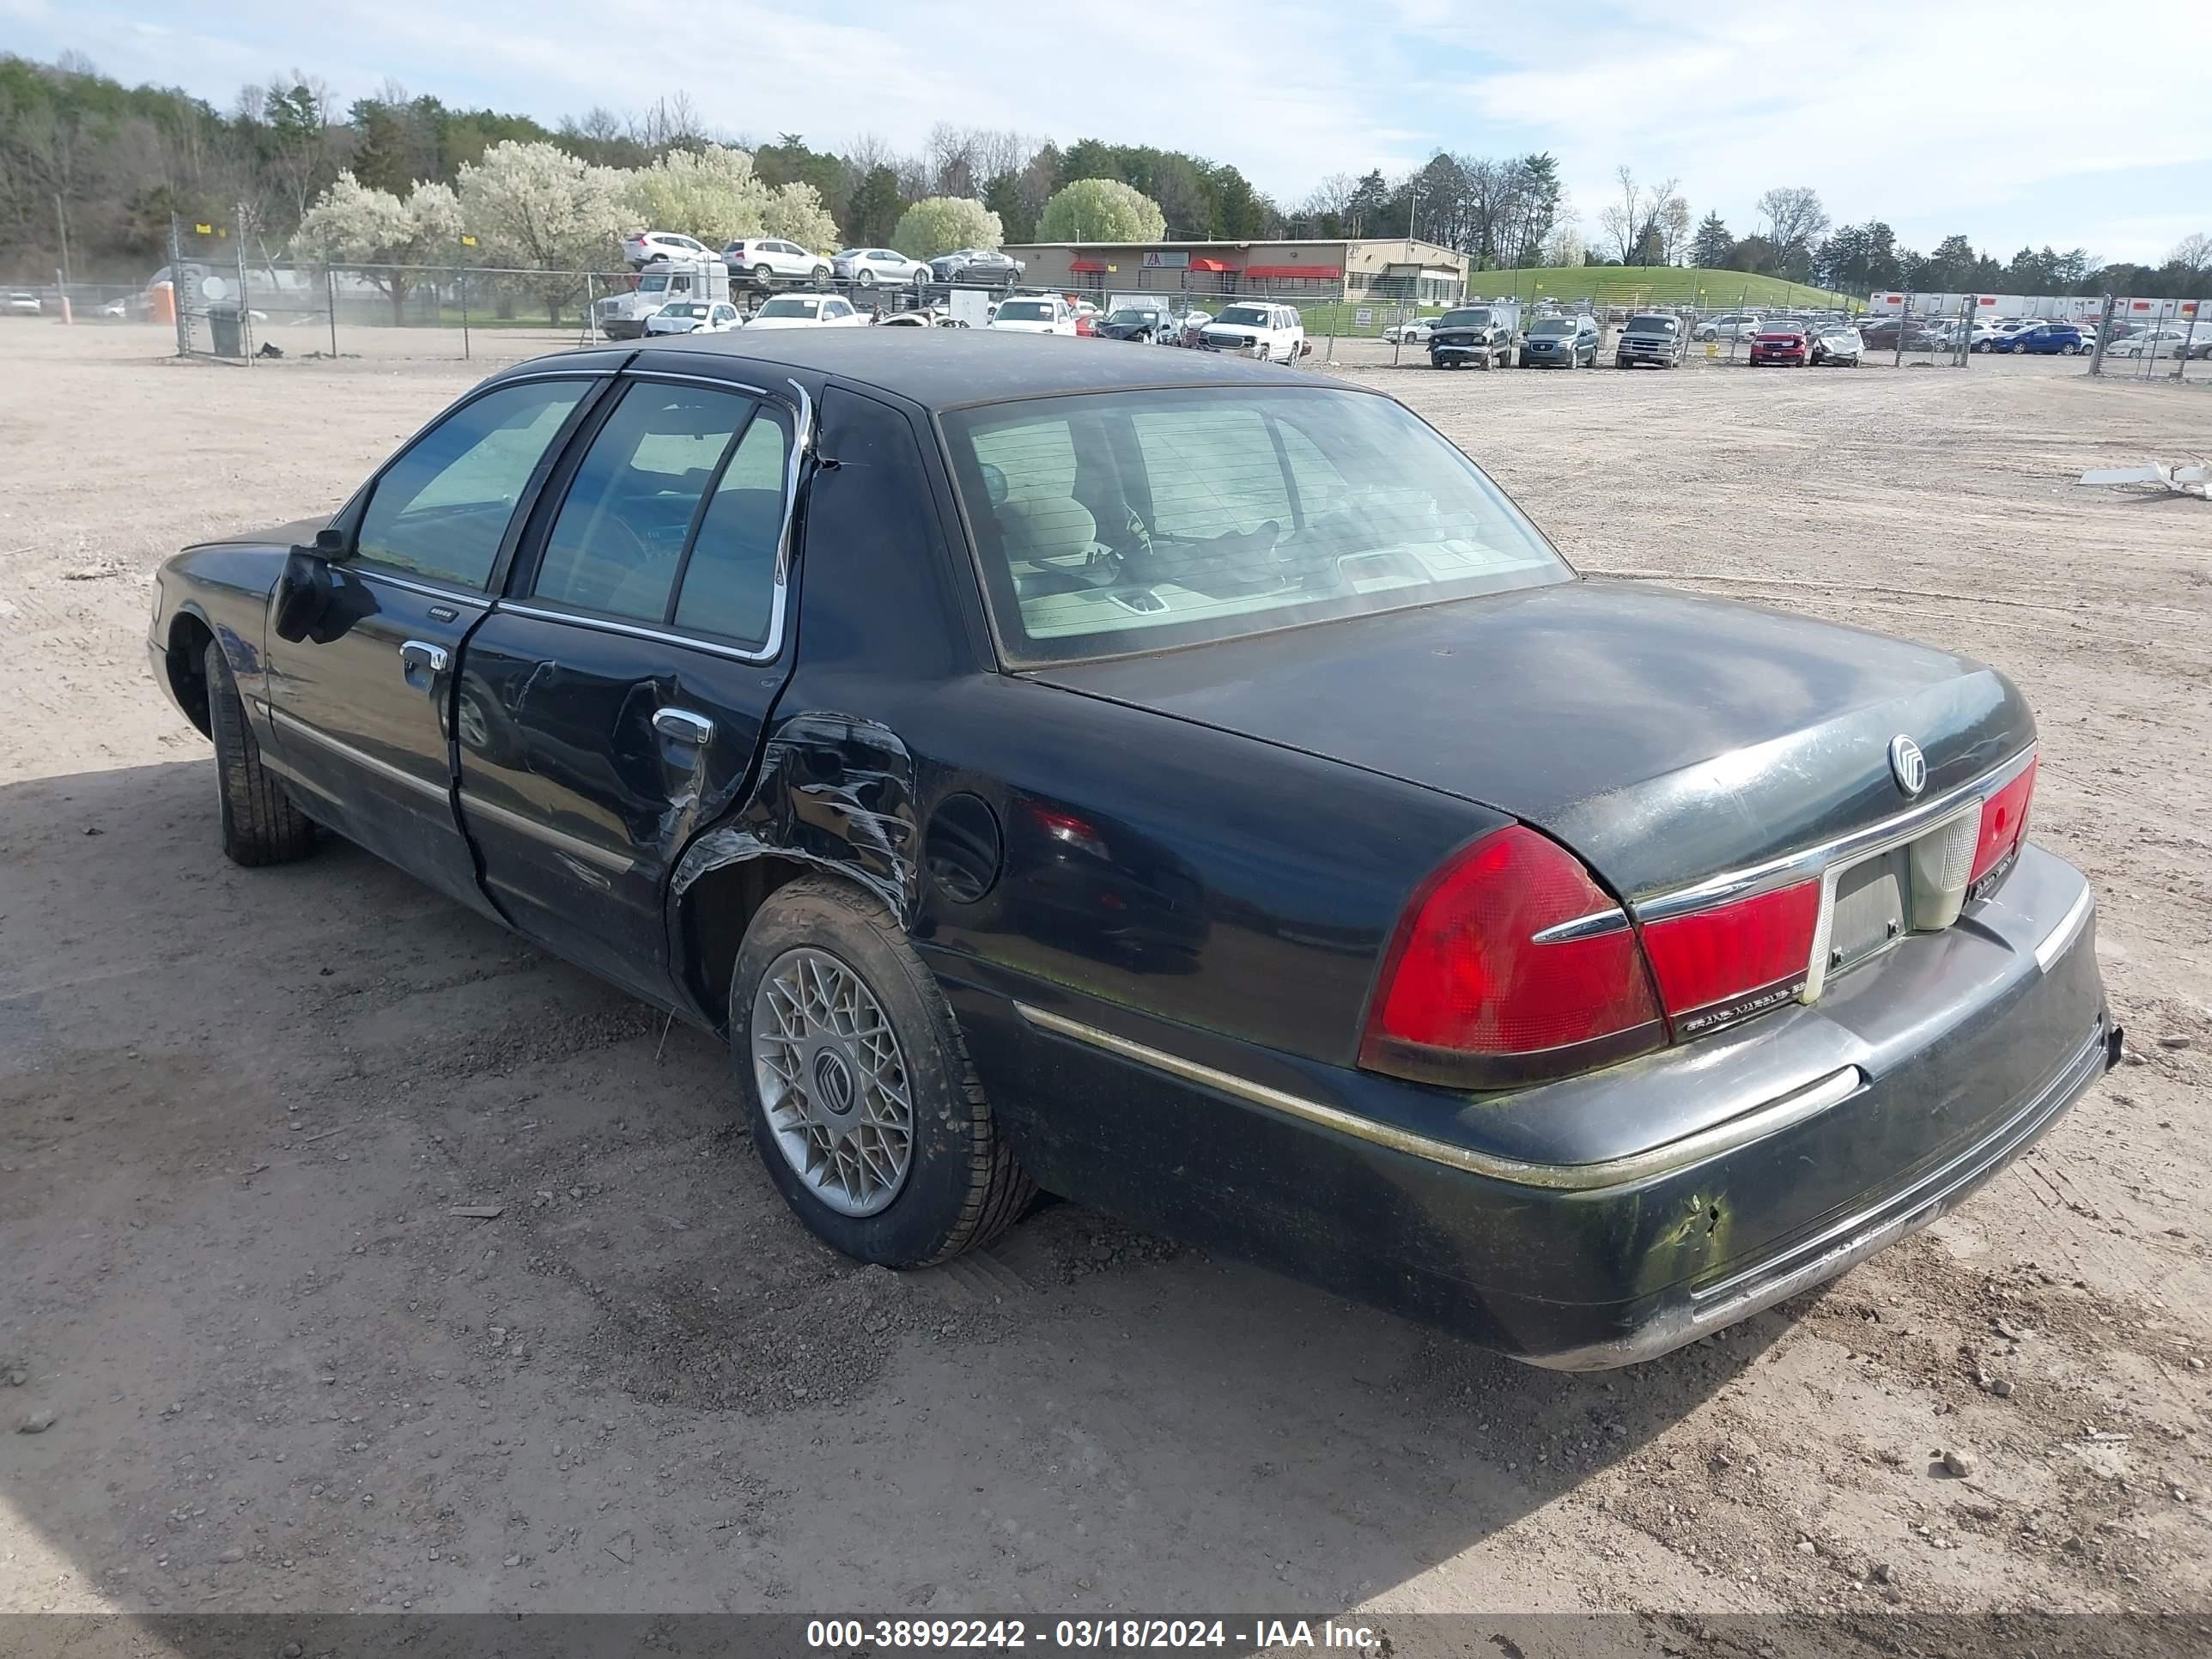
column 442, row 508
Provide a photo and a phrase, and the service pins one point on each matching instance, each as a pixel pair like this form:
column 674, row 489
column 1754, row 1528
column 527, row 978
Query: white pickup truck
column 665, row 282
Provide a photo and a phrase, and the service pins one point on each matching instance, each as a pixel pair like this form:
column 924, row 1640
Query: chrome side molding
column 1767, row 1118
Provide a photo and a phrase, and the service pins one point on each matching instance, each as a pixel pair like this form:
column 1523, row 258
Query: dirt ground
column 236, row 1108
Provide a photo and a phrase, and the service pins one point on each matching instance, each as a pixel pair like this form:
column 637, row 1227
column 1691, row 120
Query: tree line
column 107, row 166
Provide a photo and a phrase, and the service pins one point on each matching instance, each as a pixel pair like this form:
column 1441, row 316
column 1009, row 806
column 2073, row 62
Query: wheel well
column 716, row 910
column 189, row 638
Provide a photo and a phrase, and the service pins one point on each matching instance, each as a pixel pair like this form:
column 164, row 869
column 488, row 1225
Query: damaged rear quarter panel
column 834, row 791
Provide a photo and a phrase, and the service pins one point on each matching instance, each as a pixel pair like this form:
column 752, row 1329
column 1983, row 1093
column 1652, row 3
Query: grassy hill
column 1662, row 285
column 1606, row 285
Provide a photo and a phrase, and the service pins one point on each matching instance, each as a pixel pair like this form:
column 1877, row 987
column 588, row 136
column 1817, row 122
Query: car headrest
column 1046, row 526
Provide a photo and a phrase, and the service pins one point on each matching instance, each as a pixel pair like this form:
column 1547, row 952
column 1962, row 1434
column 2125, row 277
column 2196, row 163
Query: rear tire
column 821, row 276
column 764, row 276
column 957, row 1185
column 259, row 824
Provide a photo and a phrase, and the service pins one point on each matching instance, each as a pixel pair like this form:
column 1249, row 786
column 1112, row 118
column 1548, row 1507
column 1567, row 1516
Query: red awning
column 1207, row 262
column 1319, row 271
column 1098, row 265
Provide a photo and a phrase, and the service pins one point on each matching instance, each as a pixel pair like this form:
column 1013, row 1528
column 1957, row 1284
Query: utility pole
column 1413, row 234
column 61, row 218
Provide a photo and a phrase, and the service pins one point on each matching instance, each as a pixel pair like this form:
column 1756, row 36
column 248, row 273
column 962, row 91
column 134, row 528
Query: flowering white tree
column 938, row 224
column 1100, row 211
column 714, row 194
column 380, row 235
column 536, row 208
column 795, row 213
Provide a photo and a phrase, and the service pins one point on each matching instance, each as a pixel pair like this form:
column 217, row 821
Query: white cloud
column 1935, row 121
column 1933, row 126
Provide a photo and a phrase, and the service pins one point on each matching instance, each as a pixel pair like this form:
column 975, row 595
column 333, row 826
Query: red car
column 1782, row 342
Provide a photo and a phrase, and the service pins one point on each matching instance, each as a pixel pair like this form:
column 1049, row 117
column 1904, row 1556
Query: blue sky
column 2017, row 123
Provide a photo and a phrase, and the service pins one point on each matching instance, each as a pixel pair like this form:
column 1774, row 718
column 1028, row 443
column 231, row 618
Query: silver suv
column 767, row 261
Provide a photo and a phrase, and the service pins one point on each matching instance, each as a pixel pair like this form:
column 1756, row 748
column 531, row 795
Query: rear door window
column 618, row 543
column 727, row 584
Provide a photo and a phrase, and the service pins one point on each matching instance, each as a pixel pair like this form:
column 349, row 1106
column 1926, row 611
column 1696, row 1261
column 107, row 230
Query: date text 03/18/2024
column 1081, row 1634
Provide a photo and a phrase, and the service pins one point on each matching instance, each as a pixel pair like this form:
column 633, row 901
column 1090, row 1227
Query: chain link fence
column 221, row 304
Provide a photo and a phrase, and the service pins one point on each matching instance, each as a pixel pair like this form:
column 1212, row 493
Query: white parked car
column 22, row 302
column 645, row 247
column 1416, row 332
column 765, row 259
column 1033, row 313
column 807, row 311
column 2163, row 342
column 874, row 267
column 1735, row 326
column 1275, row 333
column 688, row 317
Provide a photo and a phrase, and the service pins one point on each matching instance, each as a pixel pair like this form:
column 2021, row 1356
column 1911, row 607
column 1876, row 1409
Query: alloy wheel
column 833, row 1080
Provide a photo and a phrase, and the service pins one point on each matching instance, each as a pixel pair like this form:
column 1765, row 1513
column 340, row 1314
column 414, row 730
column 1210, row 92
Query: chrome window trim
column 649, row 372
column 1794, row 867
column 1766, row 1118
column 802, row 443
column 383, row 769
column 373, row 570
column 637, row 630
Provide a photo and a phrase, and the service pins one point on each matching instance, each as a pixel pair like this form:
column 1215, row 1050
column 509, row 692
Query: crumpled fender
column 835, row 792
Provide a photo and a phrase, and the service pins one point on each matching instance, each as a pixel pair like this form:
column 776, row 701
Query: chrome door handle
column 684, row 727
column 420, row 663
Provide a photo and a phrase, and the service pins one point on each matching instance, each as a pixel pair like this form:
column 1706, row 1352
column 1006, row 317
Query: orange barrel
column 163, row 297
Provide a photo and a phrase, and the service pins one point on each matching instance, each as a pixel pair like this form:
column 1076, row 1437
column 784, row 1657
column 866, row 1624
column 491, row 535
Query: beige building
column 1400, row 269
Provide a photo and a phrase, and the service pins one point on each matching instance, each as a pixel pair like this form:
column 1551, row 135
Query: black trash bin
column 225, row 324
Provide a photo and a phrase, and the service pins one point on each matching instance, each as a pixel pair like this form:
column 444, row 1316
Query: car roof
column 946, row 368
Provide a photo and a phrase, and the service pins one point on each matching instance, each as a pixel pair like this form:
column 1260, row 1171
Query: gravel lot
column 236, row 1109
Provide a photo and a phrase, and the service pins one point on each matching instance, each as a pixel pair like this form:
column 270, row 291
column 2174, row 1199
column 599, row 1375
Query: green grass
column 1604, row 285
column 1659, row 285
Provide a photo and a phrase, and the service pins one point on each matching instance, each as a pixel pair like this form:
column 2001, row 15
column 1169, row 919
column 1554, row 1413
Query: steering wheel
column 635, row 551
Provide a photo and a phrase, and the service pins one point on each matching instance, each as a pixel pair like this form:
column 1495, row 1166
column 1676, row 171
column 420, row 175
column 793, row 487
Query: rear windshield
column 1025, row 311
column 1651, row 324
column 1127, row 316
column 1116, row 523
column 788, row 307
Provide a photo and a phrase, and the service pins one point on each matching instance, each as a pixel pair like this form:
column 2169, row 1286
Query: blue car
column 2049, row 339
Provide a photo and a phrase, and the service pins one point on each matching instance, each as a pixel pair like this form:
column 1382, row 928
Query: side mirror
column 303, row 591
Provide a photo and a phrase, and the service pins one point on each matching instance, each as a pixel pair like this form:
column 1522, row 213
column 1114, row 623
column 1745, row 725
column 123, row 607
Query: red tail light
column 1468, row 994
column 2004, row 820
column 1713, row 959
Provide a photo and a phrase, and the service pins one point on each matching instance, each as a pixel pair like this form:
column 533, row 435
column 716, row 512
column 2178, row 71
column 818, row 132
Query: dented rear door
column 613, row 702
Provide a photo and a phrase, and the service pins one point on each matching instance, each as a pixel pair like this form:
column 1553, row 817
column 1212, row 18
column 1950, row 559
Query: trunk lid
column 1665, row 738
